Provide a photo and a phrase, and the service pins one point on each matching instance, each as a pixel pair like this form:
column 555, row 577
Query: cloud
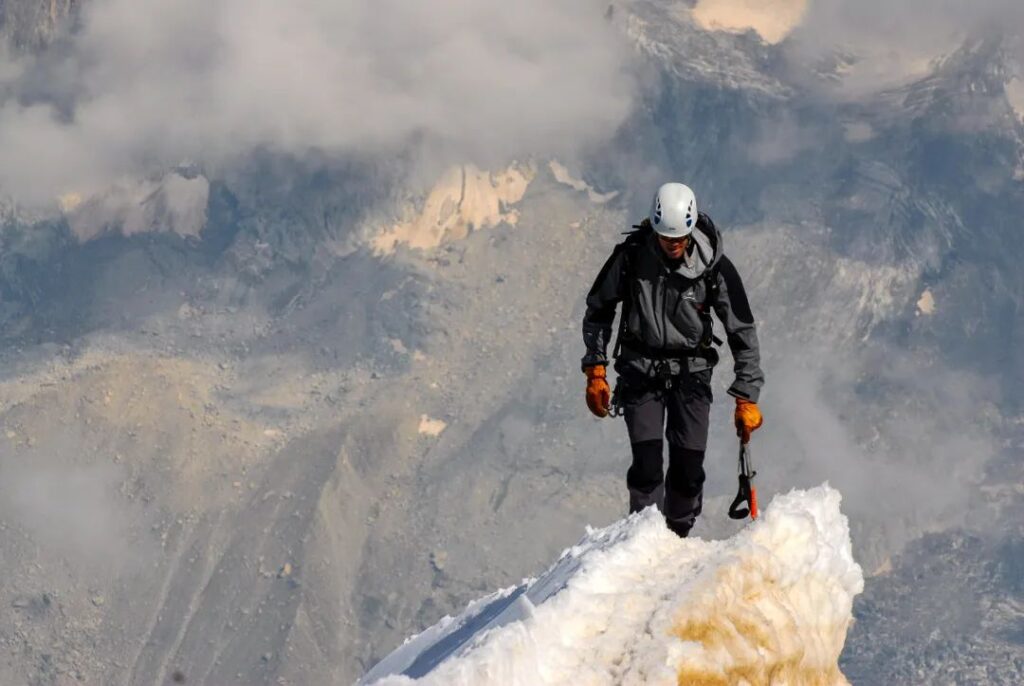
column 878, row 426
column 890, row 42
column 72, row 511
column 858, row 392
column 142, row 86
column 174, row 203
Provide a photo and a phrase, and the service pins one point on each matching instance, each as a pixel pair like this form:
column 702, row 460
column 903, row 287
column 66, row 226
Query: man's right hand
column 599, row 396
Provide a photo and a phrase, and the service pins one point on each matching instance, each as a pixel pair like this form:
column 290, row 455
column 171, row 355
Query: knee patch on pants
column 685, row 471
column 645, row 474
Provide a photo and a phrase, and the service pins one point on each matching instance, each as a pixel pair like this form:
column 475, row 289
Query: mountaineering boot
column 640, row 500
column 681, row 513
column 684, row 496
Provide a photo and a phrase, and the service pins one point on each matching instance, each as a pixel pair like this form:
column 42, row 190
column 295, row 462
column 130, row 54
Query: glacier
column 633, row 604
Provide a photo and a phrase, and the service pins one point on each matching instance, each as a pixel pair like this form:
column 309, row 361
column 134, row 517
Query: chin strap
column 747, row 493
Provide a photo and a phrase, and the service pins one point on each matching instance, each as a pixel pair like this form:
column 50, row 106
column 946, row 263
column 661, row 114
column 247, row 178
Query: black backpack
column 633, row 241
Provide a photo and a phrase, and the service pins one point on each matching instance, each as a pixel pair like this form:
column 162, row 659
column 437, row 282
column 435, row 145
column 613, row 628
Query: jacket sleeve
column 733, row 310
column 604, row 295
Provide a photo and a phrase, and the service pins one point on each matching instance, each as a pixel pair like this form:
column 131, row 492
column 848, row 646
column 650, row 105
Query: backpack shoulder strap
column 628, row 247
column 710, row 285
column 711, row 289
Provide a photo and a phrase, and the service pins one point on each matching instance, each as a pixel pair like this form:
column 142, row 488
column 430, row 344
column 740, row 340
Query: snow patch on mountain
column 876, row 291
column 668, row 34
column 1015, row 94
column 632, row 603
column 564, row 176
column 773, row 20
column 431, row 427
column 926, row 303
column 465, row 198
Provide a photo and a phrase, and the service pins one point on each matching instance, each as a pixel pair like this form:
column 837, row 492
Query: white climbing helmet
column 674, row 210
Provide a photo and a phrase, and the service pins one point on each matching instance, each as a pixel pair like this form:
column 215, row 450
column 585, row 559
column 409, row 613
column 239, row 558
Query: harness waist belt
column 641, row 349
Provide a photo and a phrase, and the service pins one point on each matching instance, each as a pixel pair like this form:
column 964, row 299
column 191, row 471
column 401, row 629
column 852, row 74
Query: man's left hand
column 748, row 419
column 599, row 395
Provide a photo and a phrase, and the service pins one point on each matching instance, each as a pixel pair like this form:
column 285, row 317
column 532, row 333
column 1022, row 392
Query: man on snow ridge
column 669, row 275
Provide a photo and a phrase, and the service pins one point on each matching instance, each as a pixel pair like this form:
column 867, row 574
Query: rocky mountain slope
column 268, row 449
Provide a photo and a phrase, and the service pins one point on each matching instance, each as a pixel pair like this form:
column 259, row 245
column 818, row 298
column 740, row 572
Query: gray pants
column 680, row 414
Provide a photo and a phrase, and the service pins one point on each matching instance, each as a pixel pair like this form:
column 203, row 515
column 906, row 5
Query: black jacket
column 667, row 322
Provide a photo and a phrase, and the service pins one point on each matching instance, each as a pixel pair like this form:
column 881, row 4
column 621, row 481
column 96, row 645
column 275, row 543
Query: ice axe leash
column 747, row 493
column 617, row 407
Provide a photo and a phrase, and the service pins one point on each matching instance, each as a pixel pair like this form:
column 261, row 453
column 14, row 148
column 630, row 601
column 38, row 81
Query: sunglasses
column 674, row 241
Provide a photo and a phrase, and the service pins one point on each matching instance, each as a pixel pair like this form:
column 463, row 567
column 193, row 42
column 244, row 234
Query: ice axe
column 747, row 493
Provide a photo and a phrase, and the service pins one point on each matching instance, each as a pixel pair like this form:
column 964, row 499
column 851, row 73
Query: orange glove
column 599, row 396
column 748, row 419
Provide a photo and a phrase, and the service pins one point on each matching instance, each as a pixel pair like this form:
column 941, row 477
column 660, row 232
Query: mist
column 906, row 442
column 887, row 43
column 139, row 87
column 73, row 512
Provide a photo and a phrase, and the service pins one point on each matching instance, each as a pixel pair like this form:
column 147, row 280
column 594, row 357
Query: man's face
column 674, row 248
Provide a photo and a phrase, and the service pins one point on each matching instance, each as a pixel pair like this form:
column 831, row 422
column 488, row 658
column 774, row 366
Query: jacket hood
column 706, row 251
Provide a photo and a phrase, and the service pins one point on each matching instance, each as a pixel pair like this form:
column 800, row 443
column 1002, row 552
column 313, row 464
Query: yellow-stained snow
column 755, row 626
column 771, row 19
column 634, row 604
column 465, row 198
column 778, row 609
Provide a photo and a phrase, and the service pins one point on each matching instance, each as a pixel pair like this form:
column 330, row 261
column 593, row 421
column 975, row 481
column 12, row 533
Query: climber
column 669, row 274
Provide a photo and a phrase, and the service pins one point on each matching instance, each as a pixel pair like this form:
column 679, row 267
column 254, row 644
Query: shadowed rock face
column 216, row 441
column 32, row 24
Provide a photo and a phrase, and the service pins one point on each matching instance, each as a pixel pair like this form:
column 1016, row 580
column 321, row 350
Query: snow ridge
column 633, row 604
